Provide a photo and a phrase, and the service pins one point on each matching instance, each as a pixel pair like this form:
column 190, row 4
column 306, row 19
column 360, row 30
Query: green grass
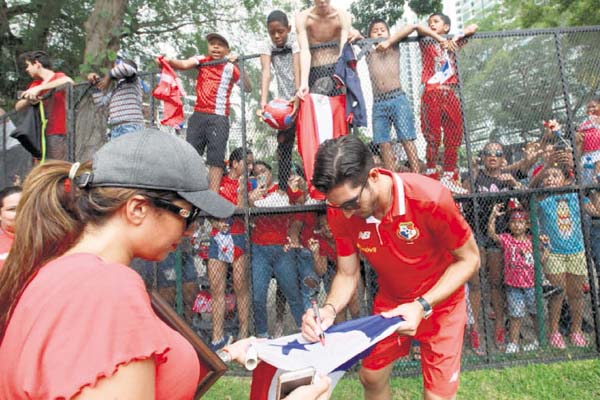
column 564, row 380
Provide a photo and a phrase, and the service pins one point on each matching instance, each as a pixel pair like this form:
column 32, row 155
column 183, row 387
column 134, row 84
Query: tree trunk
column 103, row 30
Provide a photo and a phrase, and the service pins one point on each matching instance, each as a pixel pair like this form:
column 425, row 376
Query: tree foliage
column 521, row 14
column 145, row 28
column 364, row 11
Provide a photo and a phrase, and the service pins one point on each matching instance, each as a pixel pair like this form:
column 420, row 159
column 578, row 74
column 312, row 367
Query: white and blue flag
column 345, row 344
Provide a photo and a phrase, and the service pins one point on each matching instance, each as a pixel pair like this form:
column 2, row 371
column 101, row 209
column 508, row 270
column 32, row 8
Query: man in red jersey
column 410, row 230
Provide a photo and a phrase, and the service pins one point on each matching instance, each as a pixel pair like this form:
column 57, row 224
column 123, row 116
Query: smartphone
column 288, row 381
column 560, row 146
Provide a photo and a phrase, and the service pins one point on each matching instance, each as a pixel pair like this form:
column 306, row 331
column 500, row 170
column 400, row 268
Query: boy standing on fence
column 440, row 107
column 390, row 105
column 124, row 101
column 37, row 65
column 282, row 52
column 208, row 127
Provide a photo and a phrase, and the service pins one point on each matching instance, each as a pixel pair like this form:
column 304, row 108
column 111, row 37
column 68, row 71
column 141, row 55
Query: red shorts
column 441, row 338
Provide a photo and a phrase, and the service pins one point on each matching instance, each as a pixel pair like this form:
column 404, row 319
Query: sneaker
column 475, row 342
column 499, row 337
column 550, row 290
column 452, row 185
column 578, row 340
column 533, row 346
column 557, row 341
column 225, row 340
column 512, row 348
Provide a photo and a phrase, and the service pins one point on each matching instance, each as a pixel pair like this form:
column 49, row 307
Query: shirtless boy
column 321, row 24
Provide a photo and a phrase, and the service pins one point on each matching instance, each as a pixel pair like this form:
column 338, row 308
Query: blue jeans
column 306, row 269
column 397, row 112
column 122, row 129
column 266, row 262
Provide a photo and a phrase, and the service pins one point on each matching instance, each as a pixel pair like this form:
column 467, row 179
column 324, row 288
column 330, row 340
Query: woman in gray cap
column 75, row 320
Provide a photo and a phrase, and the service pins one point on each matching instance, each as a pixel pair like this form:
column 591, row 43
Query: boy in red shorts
column 410, row 230
column 208, row 127
column 440, row 107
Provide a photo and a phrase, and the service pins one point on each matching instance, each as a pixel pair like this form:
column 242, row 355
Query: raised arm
column 346, row 21
column 491, row 227
column 30, row 96
column 305, row 57
column 182, row 64
column 402, row 33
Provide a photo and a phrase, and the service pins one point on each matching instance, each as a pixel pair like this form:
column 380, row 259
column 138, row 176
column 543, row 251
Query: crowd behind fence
column 508, row 84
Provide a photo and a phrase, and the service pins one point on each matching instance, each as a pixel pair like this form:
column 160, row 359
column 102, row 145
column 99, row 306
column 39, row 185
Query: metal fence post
column 539, row 292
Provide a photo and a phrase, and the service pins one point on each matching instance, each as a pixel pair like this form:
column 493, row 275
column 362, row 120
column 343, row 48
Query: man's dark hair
column 238, row 155
column 7, row 191
column 341, row 160
column 377, row 21
column 278, row 16
column 33, row 56
column 263, row 163
column 444, row 18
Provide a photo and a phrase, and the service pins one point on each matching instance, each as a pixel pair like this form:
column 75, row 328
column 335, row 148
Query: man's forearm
column 456, row 275
column 344, row 283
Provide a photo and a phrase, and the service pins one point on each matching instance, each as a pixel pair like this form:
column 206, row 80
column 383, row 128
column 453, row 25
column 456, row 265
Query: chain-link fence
column 473, row 119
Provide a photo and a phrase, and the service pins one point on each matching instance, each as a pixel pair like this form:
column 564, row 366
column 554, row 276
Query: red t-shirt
column 6, row 242
column 229, row 190
column 77, row 321
column 54, row 107
column 411, row 247
column 214, row 85
column 271, row 229
column 432, row 57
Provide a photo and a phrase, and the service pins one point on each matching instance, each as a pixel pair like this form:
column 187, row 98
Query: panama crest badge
column 408, row 231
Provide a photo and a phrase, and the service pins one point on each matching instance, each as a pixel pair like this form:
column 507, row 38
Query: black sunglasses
column 353, row 203
column 189, row 216
column 497, row 153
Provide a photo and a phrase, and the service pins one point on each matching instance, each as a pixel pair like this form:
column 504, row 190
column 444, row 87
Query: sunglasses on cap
column 352, row 204
column 190, row 216
column 489, row 153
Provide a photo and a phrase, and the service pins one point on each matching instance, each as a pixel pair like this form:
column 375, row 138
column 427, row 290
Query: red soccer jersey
column 432, row 57
column 411, row 247
column 54, row 108
column 271, row 229
column 229, row 190
column 214, row 85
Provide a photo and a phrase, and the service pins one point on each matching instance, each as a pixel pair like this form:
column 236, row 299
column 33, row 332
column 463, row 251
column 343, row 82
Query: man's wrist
column 427, row 310
column 330, row 307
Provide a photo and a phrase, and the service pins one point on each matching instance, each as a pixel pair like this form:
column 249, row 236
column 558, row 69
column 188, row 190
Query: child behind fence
column 519, row 272
column 281, row 52
column 390, row 105
column 440, row 107
column 560, row 220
